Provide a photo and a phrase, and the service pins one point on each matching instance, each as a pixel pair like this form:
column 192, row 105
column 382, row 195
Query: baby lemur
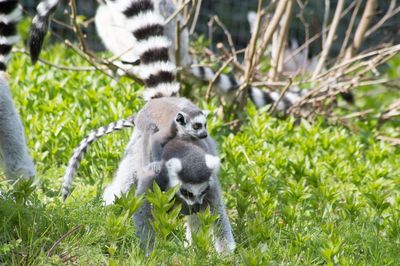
column 189, row 124
column 195, row 172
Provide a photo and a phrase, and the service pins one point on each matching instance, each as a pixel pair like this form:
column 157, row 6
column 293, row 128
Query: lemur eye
column 186, row 193
column 197, row 126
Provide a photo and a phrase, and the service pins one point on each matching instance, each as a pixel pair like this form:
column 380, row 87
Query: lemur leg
column 127, row 170
column 143, row 217
column 192, row 226
column 13, row 149
column 223, row 237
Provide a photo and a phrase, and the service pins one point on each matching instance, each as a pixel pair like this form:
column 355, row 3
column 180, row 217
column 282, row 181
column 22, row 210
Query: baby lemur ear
column 174, row 165
column 181, row 118
column 212, row 162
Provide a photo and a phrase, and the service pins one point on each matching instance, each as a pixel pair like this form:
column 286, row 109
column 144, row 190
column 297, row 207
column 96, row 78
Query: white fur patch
column 166, row 89
column 151, row 69
column 14, row 16
column 292, row 97
column 5, row 58
column 110, row 26
column 174, row 165
column 196, row 72
column 154, row 42
column 143, row 20
column 208, row 74
column 257, row 97
column 44, row 7
column 212, row 162
column 9, row 40
column 224, row 83
column 199, row 119
column 197, row 189
column 275, row 96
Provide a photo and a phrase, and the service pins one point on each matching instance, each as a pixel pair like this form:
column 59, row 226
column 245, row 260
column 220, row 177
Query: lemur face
column 191, row 194
column 194, row 125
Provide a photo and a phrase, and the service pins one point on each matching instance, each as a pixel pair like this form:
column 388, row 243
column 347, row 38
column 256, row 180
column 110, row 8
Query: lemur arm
column 158, row 141
column 143, row 217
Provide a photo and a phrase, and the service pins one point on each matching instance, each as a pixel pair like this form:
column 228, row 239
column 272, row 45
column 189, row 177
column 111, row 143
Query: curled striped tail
column 224, row 82
column 263, row 98
column 10, row 14
column 40, row 25
column 227, row 83
column 147, row 26
column 77, row 156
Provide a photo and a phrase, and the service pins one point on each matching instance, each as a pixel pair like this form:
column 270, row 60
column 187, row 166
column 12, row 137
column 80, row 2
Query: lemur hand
column 154, row 167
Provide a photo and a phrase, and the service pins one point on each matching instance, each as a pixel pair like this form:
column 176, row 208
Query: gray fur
column 13, row 150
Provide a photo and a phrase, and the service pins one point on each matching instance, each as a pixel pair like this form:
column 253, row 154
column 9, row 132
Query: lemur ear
column 212, row 162
column 181, row 118
column 174, row 165
column 205, row 112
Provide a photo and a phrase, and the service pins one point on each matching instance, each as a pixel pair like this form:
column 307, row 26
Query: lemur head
column 192, row 124
column 192, row 173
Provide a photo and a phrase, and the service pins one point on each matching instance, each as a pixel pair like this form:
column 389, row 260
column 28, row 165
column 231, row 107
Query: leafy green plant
column 297, row 192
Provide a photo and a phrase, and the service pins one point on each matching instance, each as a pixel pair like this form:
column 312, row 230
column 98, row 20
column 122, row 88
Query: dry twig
column 73, row 230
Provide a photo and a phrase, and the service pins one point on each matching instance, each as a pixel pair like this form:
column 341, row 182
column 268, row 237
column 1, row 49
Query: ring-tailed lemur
column 14, row 155
column 160, row 111
column 195, row 172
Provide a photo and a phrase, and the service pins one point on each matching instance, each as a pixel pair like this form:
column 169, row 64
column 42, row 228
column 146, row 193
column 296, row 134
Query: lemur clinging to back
column 14, row 155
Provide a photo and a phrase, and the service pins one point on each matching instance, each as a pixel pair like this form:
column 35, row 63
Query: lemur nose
column 203, row 135
column 195, row 207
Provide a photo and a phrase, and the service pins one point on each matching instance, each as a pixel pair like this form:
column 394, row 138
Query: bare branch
column 216, row 76
column 349, row 30
column 329, row 40
column 362, row 28
column 282, row 39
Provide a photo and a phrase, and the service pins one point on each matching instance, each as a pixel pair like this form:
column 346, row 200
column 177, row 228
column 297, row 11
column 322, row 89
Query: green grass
column 307, row 194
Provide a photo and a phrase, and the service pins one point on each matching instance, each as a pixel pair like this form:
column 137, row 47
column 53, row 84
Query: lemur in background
column 110, row 25
column 14, row 155
column 194, row 168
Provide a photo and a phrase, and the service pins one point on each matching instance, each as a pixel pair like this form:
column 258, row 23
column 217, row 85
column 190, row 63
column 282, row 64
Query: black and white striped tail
column 10, row 14
column 147, row 26
column 40, row 25
column 227, row 83
column 77, row 156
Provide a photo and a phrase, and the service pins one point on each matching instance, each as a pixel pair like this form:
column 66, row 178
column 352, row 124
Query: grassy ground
column 308, row 194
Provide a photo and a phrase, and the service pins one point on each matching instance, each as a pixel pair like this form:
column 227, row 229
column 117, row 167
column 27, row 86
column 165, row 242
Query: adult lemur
column 191, row 164
column 14, row 155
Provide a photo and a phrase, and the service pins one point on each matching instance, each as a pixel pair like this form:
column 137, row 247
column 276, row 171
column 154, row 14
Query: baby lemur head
column 191, row 169
column 191, row 124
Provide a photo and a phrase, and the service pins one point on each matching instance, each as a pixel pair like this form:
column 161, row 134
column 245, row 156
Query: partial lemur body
column 195, row 172
column 14, row 155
